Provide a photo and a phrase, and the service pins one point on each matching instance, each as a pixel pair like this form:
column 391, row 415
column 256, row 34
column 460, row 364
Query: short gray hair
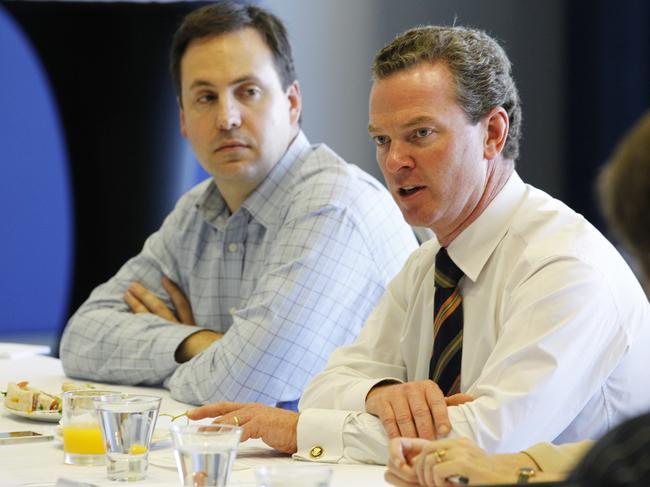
column 480, row 66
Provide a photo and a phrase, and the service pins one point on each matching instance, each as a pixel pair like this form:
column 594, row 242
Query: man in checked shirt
column 265, row 268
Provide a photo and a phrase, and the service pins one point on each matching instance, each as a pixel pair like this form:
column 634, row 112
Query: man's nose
column 397, row 158
column 228, row 116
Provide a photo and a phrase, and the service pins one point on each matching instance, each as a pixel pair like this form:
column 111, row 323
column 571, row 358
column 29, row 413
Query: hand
column 392, row 479
column 432, row 463
column 141, row 300
column 278, row 428
column 414, row 409
column 195, row 344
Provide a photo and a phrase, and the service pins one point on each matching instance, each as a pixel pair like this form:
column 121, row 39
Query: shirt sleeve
column 560, row 338
column 336, row 436
column 104, row 341
column 316, row 287
column 375, row 355
column 558, row 458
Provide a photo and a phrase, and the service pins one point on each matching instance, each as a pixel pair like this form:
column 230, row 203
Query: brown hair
column 223, row 17
column 624, row 190
column 480, row 66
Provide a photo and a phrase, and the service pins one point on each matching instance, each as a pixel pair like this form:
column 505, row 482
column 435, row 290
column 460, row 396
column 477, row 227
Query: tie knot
column 447, row 273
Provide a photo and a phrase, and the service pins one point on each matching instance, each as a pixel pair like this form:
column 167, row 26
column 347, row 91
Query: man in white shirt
column 554, row 322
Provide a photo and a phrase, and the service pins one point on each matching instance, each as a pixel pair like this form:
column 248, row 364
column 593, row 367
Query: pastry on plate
column 21, row 397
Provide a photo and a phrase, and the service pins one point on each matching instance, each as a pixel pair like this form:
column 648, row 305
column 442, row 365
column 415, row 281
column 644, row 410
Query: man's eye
column 205, row 98
column 380, row 139
column 421, row 133
column 251, row 92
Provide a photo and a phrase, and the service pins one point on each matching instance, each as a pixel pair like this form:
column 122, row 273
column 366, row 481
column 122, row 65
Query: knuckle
column 403, row 418
column 420, row 410
column 388, row 422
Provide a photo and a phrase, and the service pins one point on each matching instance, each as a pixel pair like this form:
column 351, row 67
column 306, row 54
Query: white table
column 41, row 464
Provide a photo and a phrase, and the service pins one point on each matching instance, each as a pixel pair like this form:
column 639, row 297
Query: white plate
column 48, row 416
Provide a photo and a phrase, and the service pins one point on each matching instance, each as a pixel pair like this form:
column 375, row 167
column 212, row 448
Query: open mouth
column 409, row 190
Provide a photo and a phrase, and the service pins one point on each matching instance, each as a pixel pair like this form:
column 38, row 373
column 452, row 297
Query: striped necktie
column 444, row 368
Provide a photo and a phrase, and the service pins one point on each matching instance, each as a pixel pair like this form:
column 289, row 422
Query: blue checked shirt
column 288, row 277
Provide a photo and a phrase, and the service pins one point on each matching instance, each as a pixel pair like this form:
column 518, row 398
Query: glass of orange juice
column 82, row 438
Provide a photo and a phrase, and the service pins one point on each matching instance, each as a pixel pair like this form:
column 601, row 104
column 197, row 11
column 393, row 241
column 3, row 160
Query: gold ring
column 235, row 420
column 439, row 455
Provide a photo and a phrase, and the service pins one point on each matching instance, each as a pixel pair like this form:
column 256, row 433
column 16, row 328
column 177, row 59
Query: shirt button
column 232, row 311
column 316, row 452
column 232, row 247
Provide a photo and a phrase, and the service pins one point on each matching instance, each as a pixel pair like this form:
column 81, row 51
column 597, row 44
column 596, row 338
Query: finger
column 444, row 470
column 438, row 408
column 393, row 479
column 428, row 473
column 182, row 305
column 215, row 409
column 458, row 399
column 398, row 462
column 152, row 302
column 387, row 417
column 237, row 418
column 421, row 414
column 134, row 303
column 404, row 472
column 403, row 416
column 396, row 448
column 419, row 464
column 417, row 445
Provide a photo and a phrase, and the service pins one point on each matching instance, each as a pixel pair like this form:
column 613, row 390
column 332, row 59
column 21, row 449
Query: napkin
column 21, row 350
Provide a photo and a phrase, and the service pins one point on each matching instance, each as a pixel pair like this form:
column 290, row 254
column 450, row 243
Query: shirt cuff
column 165, row 346
column 558, row 458
column 320, row 435
column 355, row 397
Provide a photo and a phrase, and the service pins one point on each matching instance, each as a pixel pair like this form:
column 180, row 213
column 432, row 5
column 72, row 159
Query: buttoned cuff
column 355, row 397
column 320, row 435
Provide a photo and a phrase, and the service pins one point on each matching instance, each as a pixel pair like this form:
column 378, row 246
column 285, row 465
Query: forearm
column 117, row 346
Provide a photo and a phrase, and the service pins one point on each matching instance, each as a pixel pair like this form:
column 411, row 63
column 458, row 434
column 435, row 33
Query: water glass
column 82, row 438
column 293, row 476
column 127, row 423
column 205, row 453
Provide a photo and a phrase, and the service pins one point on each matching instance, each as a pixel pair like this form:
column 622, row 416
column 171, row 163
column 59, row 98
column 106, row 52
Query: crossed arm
column 308, row 297
column 141, row 300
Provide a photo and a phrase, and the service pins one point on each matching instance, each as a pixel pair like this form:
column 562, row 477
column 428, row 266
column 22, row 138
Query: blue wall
column 36, row 244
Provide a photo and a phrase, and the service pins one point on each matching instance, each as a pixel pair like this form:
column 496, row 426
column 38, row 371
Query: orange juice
column 83, row 439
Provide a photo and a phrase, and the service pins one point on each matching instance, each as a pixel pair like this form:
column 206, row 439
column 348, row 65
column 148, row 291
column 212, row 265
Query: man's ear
column 497, row 125
column 181, row 118
column 295, row 102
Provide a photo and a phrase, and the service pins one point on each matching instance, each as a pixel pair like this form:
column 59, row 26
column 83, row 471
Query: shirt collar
column 263, row 203
column 473, row 247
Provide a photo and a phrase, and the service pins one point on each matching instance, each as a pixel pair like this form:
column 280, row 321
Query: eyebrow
column 410, row 124
column 200, row 83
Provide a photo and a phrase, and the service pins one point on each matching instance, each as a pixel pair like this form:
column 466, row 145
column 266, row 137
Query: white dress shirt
column 556, row 331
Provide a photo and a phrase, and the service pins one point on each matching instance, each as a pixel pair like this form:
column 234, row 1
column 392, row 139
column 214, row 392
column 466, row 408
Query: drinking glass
column 205, row 453
column 82, row 438
column 293, row 476
column 127, row 423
